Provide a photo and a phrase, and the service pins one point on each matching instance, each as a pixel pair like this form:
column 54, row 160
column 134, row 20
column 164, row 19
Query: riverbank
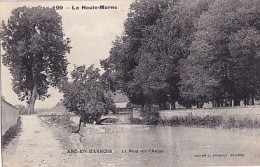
column 237, row 117
column 145, row 145
column 226, row 112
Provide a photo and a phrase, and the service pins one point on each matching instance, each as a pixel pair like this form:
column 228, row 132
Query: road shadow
column 11, row 133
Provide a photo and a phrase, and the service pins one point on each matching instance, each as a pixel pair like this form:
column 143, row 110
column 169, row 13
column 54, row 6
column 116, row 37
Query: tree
column 197, row 84
column 226, row 47
column 244, row 47
column 35, row 49
column 87, row 95
column 144, row 62
column 166, row 43
column 124, row 55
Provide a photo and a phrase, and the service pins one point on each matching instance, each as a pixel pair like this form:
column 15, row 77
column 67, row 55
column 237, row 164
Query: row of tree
column 183, row 51
column 188, row 51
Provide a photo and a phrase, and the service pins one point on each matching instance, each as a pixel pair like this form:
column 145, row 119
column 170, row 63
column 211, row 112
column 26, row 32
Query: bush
column 63, row 119
column 137, row 121
column 22, row 109
column 190, row 120
column 150, row 115
column 241, row 123
column 153, row 118
column 211, row 121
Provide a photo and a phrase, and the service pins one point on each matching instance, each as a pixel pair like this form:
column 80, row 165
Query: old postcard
column 131, row 83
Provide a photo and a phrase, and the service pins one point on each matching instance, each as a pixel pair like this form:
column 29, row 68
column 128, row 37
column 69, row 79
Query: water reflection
column 165, row 146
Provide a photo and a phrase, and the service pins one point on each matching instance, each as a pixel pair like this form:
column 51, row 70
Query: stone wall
column 9, row 116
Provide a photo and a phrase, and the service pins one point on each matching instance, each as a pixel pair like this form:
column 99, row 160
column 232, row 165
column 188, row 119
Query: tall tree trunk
column 201, row 104
column 142, row 108
column 188, row 106
column 236, row 102
column 230, row 102
column 246, row 101
column 173, row 105
column 159, row 106
column 251, row 100
column 80, row 121
column 32, row 100
column 217, row 104
column 197, row 103
column 164, row 106
column 214, row 103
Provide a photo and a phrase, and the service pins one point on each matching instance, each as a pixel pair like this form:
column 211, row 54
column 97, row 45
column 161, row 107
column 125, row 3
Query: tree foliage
column 144, row 62
column 226, row 45
column 124, row 55
column 35, row 49
column 86, row 93
column 188, row 51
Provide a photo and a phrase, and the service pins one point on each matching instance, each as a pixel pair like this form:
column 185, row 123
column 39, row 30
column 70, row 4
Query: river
column 132, row 145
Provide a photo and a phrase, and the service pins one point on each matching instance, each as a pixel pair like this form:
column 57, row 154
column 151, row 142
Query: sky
column 91, row 32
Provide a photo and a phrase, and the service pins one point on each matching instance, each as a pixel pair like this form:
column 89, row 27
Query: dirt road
column 34, row 146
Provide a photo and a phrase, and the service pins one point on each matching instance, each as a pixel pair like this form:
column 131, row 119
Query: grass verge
column 241, row 123
column 208, row 121
column 63, row 120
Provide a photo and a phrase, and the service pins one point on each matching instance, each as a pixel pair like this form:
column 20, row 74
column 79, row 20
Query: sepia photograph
column 130, row 83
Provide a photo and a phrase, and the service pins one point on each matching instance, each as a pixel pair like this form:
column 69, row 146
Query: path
column 34, row 146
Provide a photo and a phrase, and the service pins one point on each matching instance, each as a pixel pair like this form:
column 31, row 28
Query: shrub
column 191, row 120
column 153, row 118
column 63, row 119
column 137, row 121
column 246, row 122
column 150, row 115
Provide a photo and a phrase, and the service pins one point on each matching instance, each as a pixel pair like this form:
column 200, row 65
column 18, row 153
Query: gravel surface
column 34, row 146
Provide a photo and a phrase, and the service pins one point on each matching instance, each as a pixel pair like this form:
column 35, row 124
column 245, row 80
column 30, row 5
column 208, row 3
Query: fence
column 9, row 116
